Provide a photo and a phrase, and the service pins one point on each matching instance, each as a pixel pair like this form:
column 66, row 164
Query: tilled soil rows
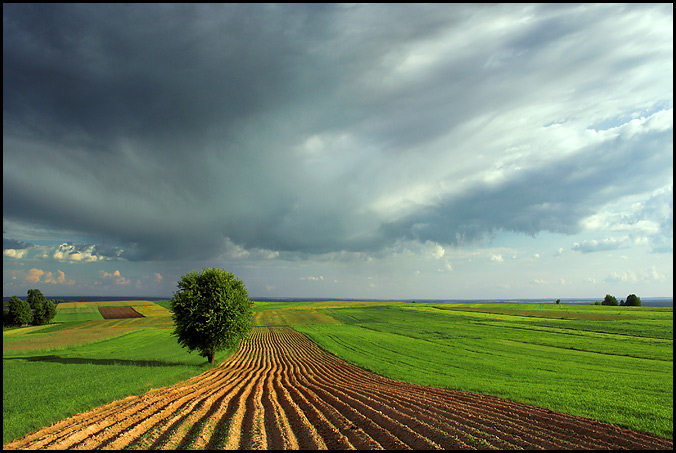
column 119, row 313
column 281, row 391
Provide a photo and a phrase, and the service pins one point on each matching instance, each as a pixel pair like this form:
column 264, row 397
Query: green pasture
column 605, row 363
column 53, row 372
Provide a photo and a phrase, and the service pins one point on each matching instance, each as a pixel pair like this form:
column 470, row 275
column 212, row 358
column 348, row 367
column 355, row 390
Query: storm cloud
column 190, row 131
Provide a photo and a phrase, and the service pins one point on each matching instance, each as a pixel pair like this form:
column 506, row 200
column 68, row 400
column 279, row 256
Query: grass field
column 52, row 372
column 605, row 363
column 613, row 364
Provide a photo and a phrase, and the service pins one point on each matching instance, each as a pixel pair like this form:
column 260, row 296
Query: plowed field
column 281, row 391
column 119, row 313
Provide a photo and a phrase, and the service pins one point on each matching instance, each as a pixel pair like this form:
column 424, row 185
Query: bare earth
column 281, row 391
column 119, row 313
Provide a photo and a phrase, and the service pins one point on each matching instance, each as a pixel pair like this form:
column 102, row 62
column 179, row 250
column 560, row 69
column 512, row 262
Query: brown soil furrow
column 328, row 376
column 361, row 417
column 239, row 421
column 480, row 429
column 253, row 428
column 433, row 426
column 161, row 429
column 488, row 433
column 414, row 434
column 59, row 430
column 227, row 395
column 131, row 421
column 415, row 405
column 352, row 419
column 306, row 435
column 281, row 436
column 281, row 391
column 539, row 420
column 176, row 422
column 332, row 437
column 222, row 419
column 159, row 406
column 355, row 436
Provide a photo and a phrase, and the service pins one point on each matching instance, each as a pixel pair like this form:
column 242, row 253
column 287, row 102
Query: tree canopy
column 211, row 311
column 19, row 312
column 633, row 300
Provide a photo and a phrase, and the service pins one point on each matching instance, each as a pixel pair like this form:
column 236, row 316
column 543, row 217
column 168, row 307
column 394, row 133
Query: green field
column 606, row 363
column 52, row 372
column 614, row 364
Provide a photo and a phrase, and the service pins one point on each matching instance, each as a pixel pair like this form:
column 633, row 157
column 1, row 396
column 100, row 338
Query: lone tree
column 634, row 300
column 609, row 300
column 19, row 312
column 211, row 311
column 43, row 309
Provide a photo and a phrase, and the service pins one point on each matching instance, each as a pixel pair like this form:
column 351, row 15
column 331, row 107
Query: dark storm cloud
column 14, row 244
column 175, row 131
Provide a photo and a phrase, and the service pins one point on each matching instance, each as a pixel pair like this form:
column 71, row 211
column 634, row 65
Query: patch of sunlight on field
column 291, row 317
column 556, row 313
column 63, row 338
column 23, row 330
column 66, row 312
column 349, row 304
column 157, row 322
column 151, row 311
column 162, row 322
column 111, row 303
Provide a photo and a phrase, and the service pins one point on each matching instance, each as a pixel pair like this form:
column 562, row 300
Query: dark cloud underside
column 176, row 130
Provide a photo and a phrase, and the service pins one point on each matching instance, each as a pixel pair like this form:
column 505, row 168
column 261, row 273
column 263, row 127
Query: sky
column 381, row 151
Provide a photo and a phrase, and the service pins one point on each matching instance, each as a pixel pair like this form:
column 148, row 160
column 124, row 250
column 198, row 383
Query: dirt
column 119, row 313
column 281, row 391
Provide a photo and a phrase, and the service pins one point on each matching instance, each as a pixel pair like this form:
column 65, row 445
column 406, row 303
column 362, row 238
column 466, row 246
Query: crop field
column 342, row 375
column 119, row 313
column 86, row 311
column 280, row 391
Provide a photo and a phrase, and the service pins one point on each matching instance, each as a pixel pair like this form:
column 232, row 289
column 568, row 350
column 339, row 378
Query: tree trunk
column 211, row 357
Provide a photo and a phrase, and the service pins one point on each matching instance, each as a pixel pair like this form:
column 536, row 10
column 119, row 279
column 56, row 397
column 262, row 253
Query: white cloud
column 617, row 277
column 438, row 251
column 34, row 275
column 497, row 258
column 83, row 253
column 13, row 253
column 591, row 246
column 659, row 121
column 116, row 277
column 40, row 276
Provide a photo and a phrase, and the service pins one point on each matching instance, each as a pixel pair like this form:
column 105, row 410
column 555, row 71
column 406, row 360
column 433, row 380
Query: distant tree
column 609, row 300
column 19, row 312
column 50, row 311
column 211, row 311
column 558, row 301
column 633, row 300
column 37, row 301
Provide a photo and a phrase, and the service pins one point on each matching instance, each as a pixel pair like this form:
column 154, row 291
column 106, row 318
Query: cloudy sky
column 349, row 151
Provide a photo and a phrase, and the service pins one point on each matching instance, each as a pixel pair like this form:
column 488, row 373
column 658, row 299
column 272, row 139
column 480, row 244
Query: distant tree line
column 632, row 300
column 35, row 310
